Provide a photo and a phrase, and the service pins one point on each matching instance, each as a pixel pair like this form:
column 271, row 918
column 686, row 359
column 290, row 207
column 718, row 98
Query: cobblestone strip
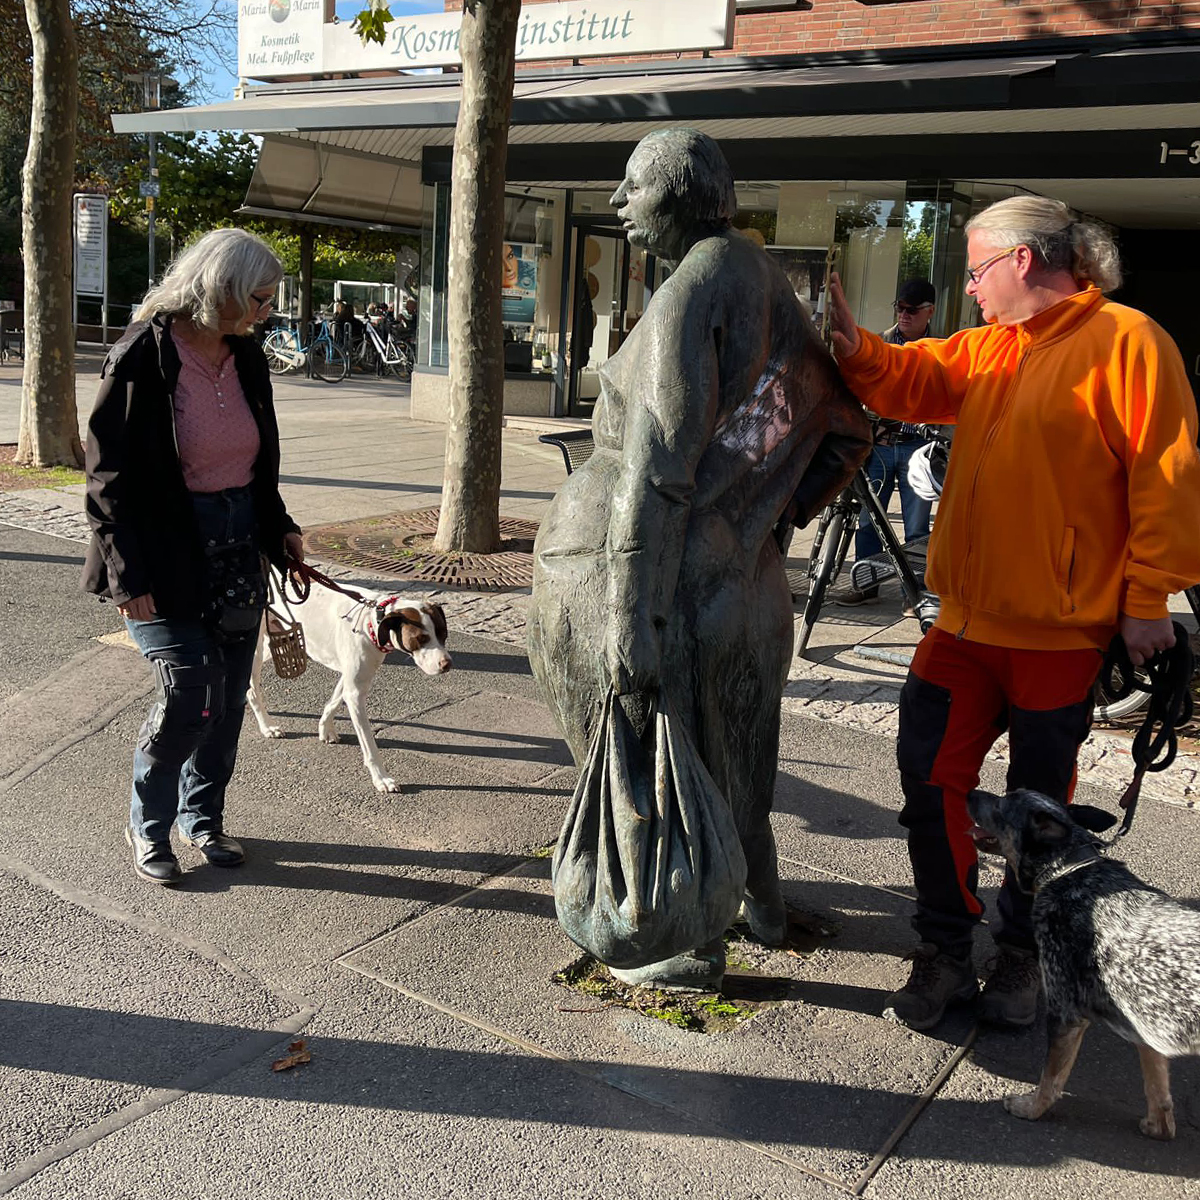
column 41, row 513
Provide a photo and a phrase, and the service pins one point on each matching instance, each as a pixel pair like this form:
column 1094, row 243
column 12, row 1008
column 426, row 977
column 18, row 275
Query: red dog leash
column 301, row 576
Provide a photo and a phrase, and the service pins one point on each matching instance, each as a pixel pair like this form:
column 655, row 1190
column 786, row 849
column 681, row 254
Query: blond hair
column 1060, row 240
column 224, row 263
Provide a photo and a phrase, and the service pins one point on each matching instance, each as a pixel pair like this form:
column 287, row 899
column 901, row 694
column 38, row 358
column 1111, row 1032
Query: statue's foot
column 767, row 919
column 696, row 971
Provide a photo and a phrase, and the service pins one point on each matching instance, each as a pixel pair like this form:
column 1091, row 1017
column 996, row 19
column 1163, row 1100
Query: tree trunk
column 470, row 516
column 49, row 432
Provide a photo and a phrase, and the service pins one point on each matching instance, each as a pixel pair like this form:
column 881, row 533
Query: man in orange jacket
column 1070, row 513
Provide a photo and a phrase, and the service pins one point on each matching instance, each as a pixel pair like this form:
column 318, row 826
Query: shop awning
column 603, row 100
column 309, row 181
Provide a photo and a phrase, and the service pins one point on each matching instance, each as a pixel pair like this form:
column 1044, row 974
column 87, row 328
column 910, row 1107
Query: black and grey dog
column 1112, row 948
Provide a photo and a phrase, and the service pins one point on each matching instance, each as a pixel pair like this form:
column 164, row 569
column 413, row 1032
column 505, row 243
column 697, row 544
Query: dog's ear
column 439, row 622
column 1048, row 828
column 1094, row 820
column 412, row 630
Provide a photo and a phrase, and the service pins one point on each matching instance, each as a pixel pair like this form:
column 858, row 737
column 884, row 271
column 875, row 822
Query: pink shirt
column 218, row 437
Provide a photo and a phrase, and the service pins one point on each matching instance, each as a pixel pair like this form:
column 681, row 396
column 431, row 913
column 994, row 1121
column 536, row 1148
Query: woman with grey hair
column 1068, row 517
column 183, row 498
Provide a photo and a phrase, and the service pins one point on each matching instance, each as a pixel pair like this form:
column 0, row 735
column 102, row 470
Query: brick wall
column 832, row 25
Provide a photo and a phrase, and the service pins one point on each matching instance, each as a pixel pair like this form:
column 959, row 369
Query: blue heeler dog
column 1112, row 948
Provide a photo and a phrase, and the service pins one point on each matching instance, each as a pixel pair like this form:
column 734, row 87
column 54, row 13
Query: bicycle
column 392, row 355
column 323, row 358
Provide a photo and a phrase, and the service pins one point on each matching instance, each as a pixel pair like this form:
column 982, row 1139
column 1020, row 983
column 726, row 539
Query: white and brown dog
column 352, row 637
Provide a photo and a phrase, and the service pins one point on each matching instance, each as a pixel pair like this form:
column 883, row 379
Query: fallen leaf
column 298, row 1053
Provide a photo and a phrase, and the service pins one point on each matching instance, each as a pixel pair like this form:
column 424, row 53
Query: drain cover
column 401, row 544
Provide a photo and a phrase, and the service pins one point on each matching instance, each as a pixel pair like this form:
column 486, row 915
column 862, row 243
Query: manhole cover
column 401, row 544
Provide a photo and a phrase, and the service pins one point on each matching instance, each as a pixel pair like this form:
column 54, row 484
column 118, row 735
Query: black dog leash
column 1169, row 675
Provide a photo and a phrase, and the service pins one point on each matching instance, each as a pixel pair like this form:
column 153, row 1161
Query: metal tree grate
column 400, row 544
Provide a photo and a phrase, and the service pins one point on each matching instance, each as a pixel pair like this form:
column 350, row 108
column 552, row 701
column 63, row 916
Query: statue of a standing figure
column 656, row 560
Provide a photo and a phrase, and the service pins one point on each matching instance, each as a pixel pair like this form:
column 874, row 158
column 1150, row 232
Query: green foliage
column 203, row 180
column 916, row 257
column 371, row 24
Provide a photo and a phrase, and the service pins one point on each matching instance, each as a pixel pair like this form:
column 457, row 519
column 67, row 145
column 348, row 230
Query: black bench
column 576, row 446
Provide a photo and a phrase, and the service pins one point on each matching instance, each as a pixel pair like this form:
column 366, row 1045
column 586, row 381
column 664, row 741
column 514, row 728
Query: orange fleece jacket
column 1073, row 493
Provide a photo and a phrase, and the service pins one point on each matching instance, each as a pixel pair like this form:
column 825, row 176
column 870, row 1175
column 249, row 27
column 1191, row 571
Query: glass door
column 607, row 296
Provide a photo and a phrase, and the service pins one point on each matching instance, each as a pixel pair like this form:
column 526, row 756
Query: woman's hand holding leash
column 844, row 329
column 140, row 608
column 293, row 547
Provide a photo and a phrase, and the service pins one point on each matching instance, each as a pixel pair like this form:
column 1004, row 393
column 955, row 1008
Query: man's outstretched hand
column 842, row 326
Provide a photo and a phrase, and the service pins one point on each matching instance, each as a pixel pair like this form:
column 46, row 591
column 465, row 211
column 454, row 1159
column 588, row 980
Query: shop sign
column 291, row 37
column 1189, row 153
column 91, row 245
column 518, row 296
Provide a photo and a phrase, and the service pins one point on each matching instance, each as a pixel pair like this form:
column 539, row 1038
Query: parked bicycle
column 835, row 531
column 322, row 358
column 386, row 350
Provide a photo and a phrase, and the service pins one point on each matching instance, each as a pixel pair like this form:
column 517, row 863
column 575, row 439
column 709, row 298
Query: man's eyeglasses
column 910, row 310
column 263, row 301
column 975, row 274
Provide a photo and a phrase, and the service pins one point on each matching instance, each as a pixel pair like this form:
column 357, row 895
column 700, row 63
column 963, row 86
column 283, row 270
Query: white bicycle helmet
column 927, row 471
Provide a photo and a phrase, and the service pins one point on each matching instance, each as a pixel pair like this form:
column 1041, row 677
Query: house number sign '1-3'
column 1191, row 153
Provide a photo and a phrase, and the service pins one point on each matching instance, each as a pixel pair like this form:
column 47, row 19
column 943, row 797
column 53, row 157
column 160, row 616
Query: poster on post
column 91, row 245
column 519, row 286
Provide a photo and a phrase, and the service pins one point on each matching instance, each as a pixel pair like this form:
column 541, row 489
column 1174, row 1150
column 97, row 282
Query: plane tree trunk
column 49, row 429
column 470, row 510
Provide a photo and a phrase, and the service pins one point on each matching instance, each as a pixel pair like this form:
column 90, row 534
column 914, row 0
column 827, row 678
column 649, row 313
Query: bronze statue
column 656, row 563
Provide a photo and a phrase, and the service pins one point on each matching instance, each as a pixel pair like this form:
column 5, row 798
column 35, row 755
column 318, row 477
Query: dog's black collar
column 1080, row 857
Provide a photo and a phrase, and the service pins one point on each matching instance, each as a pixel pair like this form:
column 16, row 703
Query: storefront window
column 532, row 282
column 432, row 346
column 531, row 286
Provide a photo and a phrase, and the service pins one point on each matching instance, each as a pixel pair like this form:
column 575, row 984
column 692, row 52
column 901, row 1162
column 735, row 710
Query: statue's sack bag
column 649, row 863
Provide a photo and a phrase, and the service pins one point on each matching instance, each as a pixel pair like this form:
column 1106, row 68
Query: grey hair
column 1060, row 241
column 692, row 166
column 224, row 263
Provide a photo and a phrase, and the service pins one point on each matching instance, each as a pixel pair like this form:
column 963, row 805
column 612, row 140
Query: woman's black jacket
column 144, row 534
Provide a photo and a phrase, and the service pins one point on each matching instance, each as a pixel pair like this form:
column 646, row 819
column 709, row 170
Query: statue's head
column 677, row 189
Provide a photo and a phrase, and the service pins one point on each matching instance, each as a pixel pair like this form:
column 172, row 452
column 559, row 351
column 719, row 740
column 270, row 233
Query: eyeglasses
column 263, row 301
column 910, row 310
column 975, row 274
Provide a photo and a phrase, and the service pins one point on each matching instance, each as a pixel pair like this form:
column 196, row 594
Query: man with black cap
column 895, row 443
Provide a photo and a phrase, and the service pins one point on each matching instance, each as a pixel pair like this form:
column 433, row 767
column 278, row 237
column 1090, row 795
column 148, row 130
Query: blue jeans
column 888, row 467
column 187, row 746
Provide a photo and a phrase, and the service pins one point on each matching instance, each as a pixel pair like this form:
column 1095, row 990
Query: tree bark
column 49, row 432
column 470, row 513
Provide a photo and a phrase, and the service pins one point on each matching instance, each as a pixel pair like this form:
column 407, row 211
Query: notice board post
column 91, row 255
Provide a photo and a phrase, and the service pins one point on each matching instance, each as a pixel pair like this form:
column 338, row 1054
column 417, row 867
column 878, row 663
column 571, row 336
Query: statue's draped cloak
column 711, row 417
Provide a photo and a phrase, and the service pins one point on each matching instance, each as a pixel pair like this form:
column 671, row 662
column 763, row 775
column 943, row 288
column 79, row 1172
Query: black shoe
column 1010, row 995
column 153, row 861
column 220, row 849
column 936, row 981
column 852, row 597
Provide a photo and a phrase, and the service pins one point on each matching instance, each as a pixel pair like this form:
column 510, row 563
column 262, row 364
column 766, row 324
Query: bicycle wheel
column 281, row 354
column 831, row 550
column 329, row 362
column 1108, row 709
